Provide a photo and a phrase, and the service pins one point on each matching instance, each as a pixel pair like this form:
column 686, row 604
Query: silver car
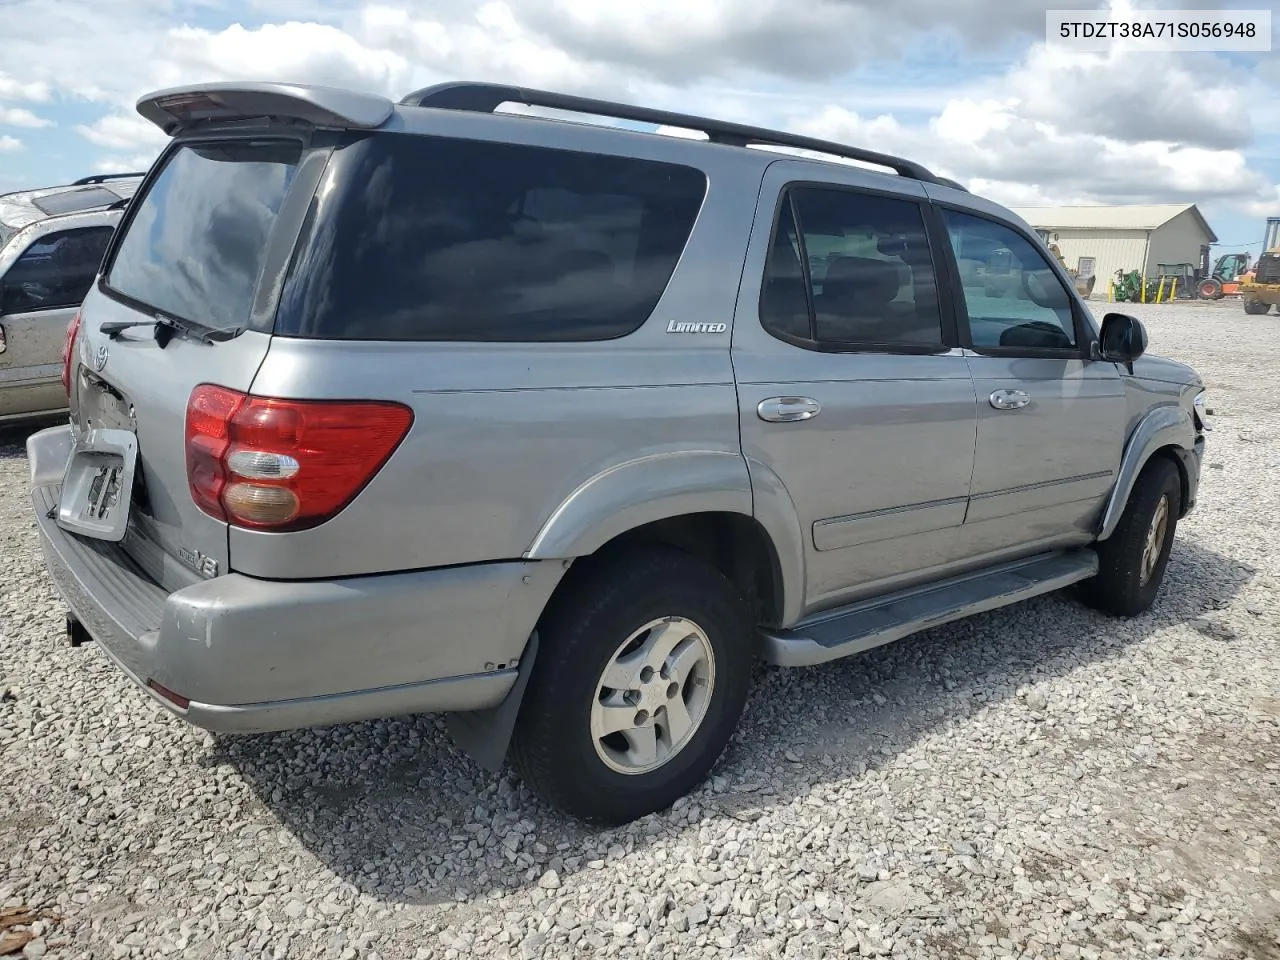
column 381, row 408
column 51, row 244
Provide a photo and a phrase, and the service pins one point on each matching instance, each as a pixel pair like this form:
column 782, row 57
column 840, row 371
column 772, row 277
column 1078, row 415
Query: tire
column 1210, row 290
column 554, row 747
column 1256, row 308
column 1123, row 586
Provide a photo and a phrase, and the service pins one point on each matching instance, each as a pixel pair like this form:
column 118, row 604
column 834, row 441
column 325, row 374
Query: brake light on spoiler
column 270, row 464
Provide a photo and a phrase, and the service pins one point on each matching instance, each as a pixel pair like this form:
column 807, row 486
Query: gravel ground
column 1036, row 782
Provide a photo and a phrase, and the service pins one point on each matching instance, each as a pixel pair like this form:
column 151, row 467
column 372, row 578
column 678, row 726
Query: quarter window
column 430, row 238
column 851, row 269
column 56, row 271
column 1013, row 297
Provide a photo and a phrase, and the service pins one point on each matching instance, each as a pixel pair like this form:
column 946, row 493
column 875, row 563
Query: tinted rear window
column 195, row 244
column 427, row 238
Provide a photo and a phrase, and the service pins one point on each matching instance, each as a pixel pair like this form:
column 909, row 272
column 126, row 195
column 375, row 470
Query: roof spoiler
column 178, row 107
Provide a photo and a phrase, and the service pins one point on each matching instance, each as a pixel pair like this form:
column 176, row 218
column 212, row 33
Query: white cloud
column 123, row 132
column 138, row 163
column 18, row 117
column 11, row 89
column 294, row 51
column 10, row 145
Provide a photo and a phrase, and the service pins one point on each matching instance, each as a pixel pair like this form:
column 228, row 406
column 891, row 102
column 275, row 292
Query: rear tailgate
column 214, row 218
column 144, row 388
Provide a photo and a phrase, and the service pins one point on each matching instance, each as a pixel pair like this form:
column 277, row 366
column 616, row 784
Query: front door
column 1051, row 421
column 856, row 410
column 39, row 295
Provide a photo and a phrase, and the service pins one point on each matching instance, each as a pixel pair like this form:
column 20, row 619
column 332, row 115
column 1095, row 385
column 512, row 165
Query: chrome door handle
column 4, row 339
column 1009, row 399
column 787, row 409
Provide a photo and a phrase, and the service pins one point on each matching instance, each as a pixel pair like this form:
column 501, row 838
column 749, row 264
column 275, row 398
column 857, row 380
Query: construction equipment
column 1223, row 280
column 1084, row 285
column 1177, row 281
column 1260, row 287
column 1127, row 287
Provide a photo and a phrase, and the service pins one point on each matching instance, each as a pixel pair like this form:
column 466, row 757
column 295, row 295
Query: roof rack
column 103, row 177
column 487, row 97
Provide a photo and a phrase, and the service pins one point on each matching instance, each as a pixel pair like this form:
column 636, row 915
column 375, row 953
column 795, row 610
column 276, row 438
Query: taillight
column 69, row 351
column 271, row 464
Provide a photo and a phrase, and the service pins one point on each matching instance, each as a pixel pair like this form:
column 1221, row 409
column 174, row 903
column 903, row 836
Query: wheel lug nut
column 642, row 717
column 672, row 690
column 646, row 674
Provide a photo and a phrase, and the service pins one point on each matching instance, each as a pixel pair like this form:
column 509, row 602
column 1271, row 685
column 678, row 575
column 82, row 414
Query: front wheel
column 643, row 672
column 1255, row 307
column 1132, row 561
column 1210, row 289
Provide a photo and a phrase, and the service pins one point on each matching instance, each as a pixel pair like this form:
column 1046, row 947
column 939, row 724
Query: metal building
column 1101, row 240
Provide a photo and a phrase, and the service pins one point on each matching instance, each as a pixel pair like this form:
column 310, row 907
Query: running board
column 871, row 623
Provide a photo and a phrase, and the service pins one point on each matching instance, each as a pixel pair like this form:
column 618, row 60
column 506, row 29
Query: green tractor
column 1127, row 287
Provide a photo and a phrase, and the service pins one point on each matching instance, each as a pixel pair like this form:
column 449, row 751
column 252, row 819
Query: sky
column 967, row 87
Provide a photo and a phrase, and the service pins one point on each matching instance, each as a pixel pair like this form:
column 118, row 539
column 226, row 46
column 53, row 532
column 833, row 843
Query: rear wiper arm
column 165, row 327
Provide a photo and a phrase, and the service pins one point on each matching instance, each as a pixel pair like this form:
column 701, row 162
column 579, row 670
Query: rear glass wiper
column 165, row 328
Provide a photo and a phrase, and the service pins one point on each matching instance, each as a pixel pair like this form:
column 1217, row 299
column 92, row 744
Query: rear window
column 427, row 238
column 195, row 244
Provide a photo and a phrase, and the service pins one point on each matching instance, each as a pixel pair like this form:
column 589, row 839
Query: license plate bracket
column 97, row 484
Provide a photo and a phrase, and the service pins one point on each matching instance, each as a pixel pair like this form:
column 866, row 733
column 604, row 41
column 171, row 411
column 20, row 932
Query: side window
column 1013, row 297
column 55, row 271
column 851, row 269
column 431, row 239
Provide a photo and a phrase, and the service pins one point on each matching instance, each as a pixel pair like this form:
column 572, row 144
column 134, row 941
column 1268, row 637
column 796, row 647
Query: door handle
column 4, row 340
column 787, row 409
column 1009, row 399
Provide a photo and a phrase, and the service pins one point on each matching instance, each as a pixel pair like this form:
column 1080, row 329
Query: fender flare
column 640, row 491
column 1166, row 426
column 661, row 486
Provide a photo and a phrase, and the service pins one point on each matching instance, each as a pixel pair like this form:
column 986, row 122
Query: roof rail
column 103, row 177
column 487, row 97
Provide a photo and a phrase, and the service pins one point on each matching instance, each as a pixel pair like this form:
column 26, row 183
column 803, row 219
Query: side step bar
column 848, row 630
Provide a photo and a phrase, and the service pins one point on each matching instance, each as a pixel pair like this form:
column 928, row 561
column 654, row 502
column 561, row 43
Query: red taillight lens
column 275, row 464
column 69, row 351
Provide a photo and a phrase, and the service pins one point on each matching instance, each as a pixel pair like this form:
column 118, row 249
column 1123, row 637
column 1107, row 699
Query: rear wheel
column 1133, row 559
column 1210, row 289
column 1255, row 307
column 643, row 672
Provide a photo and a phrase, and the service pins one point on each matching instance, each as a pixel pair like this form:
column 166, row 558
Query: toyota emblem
column 100, row 358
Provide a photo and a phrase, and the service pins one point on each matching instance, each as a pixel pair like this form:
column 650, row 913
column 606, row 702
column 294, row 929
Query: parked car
column 51, row 244
column 555, row 427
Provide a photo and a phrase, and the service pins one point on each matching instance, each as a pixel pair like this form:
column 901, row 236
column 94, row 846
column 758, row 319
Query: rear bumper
column 256, row 655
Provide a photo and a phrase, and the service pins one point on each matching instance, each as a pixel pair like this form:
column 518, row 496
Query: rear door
column 214, row 218
column 40, row 291
column 1051, row 420
column 852, row 398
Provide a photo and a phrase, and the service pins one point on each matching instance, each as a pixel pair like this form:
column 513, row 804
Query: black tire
column 1118, row 588
column 1210, row 289
column 1256, row 308
column 553, row 748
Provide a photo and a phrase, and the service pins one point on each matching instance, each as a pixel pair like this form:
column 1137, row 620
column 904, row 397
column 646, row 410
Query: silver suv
column 555, row 427
column 51, row 244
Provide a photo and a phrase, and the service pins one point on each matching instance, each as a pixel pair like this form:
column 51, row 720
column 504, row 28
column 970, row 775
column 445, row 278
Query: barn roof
column 1138, row 216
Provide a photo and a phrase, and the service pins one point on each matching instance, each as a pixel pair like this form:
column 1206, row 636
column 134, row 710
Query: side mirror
column 1123, row 338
